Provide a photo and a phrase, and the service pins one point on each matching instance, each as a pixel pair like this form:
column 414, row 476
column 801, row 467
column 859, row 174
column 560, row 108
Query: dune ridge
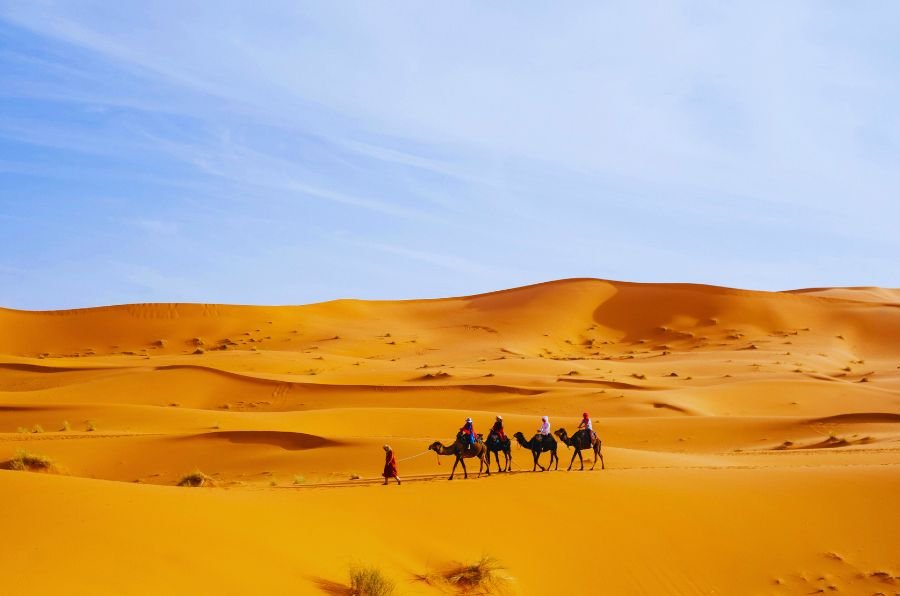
column 746, row 405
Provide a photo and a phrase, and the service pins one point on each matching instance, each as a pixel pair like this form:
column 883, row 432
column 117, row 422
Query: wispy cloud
column 155, row 227
column 444, row 261
column 704, row 142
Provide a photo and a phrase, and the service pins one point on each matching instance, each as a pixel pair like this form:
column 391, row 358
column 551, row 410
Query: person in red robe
column 390, row 465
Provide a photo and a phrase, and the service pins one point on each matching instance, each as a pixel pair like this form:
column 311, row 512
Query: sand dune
column 752, row 441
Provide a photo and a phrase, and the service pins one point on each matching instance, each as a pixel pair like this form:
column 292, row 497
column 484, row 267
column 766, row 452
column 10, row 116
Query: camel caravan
column 469, row 445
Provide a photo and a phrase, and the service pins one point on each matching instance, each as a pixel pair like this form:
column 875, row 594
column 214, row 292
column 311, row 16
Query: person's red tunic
column 390, row 465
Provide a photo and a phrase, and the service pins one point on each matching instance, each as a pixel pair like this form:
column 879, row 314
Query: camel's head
column 560, row 432
column 519, row 437
column 436, row 446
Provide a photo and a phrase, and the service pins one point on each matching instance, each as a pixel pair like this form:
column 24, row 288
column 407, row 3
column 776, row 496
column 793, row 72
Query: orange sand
column 752, row 442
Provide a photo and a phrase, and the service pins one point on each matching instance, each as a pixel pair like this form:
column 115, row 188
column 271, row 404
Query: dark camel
column 582, row 439
column 538, row 445
column 495, row 446
column 462, row 451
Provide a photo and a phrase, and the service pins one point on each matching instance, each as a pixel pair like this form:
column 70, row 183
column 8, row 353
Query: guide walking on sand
column 390, row 465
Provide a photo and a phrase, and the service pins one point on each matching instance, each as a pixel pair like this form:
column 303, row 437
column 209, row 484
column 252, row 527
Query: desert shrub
column 196, row 478
column 484, row 576
column 91, row 426
column 369, row 581
column 37, row 428
column 25, row 460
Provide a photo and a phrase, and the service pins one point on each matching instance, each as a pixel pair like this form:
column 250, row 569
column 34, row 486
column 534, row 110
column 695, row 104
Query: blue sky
column 284, row 152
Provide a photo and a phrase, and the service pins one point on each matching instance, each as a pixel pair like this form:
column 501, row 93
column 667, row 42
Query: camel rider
column 544, row 430
column 468, row 430
column 497, row 429
column 587, row 425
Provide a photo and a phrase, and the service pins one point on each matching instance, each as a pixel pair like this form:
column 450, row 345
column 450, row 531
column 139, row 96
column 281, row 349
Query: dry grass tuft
column 369, row 581
column 484, row 576
column 196, row 478
column 25, row 460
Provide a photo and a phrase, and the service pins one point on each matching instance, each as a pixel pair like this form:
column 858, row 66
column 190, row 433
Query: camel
column 461, row 451
column 582, row 440
column 538, row 445
column 495, row 446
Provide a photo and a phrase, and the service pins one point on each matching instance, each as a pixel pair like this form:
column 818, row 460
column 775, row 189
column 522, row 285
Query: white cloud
column 540, row 131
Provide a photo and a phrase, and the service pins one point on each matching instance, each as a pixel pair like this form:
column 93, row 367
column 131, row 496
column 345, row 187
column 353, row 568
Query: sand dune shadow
column 286, row 440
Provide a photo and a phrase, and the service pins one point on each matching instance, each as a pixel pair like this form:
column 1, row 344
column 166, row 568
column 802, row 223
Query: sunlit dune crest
column 751, row 443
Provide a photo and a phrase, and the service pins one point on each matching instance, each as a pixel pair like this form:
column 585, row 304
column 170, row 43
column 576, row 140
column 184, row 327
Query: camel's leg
column 581, row 459
column 465, row 472
column 554, row 456
column 571, row 462
column 537, row 464
column 508, row 456
column 453, row 471
column 496, row 457
column 600, row 453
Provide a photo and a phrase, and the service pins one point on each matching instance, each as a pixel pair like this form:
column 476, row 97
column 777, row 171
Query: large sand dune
column 751, row 441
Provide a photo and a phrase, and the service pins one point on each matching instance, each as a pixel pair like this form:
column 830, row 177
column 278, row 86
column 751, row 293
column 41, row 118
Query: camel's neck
column 564, row 437
column 446, row 450
column 524, row 442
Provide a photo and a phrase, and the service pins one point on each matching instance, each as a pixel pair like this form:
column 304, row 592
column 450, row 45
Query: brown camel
column 462, row 451
column 538, row 445
column 582, row 439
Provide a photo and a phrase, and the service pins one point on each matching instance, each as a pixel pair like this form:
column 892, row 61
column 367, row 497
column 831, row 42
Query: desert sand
column 751, row 442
